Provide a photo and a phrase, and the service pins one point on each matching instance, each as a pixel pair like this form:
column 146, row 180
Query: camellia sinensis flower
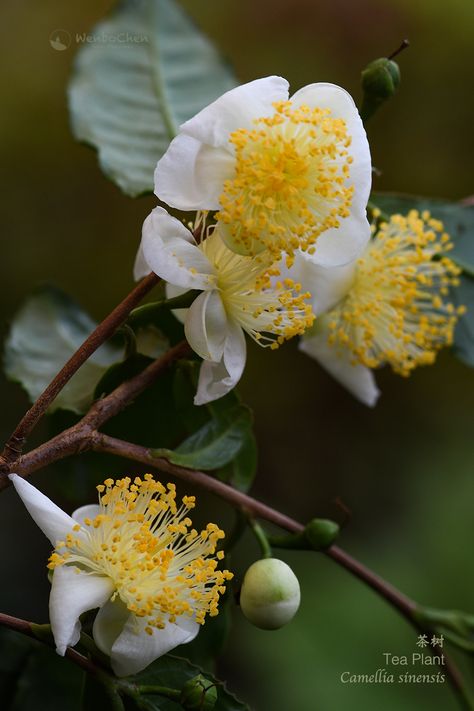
column 279, row 172
column 136, row 558
column 240, row 294
column 388, row 307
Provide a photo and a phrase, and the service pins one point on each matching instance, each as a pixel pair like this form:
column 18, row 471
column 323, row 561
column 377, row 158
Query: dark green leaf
column 458, row 221
column 173, row 672
column 241, row 471
column 47, row 682
column 213, row 445
column 210, row 642
column 128, row 99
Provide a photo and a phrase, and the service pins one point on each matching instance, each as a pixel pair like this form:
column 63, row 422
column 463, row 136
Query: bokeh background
column 405, row 469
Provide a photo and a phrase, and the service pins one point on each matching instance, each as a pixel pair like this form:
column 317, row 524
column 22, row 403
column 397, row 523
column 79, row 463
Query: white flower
column 240, row 294
column 386, row 308
column 134, row 557
column 280, row 172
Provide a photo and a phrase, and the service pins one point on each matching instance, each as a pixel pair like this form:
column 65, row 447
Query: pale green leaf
column 128, row 98
column 45, row 333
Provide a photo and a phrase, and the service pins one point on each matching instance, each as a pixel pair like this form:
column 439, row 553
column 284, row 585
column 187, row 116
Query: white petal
column 134, row 649
column 344, row 244
column 190, row 175
column 327, row 285
column 52, row 520
column 109, row 623
column 169, row 251
column 73, row 593
column 235, row 109
column 206, row 325
column 358, row 379
column 330, row 251
column 217, row 379
column 140, row 268
column 88, row 511
column 171, row 292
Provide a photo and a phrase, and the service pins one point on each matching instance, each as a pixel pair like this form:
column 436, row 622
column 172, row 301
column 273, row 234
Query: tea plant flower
column 280, row 172
column 136, row 558
column 240, row 294
column 389, row 307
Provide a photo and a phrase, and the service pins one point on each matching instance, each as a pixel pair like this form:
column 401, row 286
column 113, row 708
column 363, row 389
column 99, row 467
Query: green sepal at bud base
column 198, row 694
column 270, row 594
column 380, row 81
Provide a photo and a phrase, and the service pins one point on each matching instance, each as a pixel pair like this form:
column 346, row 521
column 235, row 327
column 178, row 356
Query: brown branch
column 24, row 627
column 103, row 331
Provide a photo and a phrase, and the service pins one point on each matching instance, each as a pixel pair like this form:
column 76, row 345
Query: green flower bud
column 380, row 81
column 270, row 594
column 198, row 694
column 321, row 533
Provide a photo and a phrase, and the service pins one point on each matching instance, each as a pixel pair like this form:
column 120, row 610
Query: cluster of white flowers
column 281, row 239
column 280, row 247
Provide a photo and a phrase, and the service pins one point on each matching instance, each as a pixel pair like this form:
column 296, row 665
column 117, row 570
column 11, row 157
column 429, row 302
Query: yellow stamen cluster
column 290, row 181
column 143, row 541
column 270, row 311
column 395, row 312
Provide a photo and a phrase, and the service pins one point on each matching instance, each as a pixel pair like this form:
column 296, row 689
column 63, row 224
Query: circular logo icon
column 60, row 40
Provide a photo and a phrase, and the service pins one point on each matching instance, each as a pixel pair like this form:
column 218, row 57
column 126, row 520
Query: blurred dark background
column 405, row 469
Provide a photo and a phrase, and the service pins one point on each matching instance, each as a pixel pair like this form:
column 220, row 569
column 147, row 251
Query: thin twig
column 24, row 627
column 102, row 333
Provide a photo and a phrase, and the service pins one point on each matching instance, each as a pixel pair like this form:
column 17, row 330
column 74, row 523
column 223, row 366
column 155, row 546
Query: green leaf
column 127, row 99
column 213, row 445
column 46, row 332
column 46, row 682
column 458, row 220
column 173, row 672
column 241, row 471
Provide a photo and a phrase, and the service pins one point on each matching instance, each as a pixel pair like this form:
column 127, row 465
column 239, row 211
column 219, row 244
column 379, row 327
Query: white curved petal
column 358, row 379
column 217, row 379
column 134, row 649
column 140, row 268
column 190, row 175
column 169, row 251
column 88, row 511
column 171, row 292
column 344, row 244
column 73, row 593
column 109, row 623
column 206, row 325
column 52, row 520
column 327, row 285
column 236, row 109
column 331, row 251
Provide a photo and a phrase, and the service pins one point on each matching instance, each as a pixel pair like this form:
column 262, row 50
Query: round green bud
column 321, row 533
column 198, row 694
column 381, row 79
column 270, row 594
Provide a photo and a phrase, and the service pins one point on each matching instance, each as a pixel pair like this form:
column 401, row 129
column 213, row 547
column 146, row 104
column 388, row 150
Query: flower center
column 289, row 183
column 395, row 313
column 142, row 541
column 269, row 311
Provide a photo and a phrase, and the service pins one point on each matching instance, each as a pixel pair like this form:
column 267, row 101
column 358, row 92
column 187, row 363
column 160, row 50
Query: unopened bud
column 270, row 594
column 321, row 533
column 380, row 81
column 198, row 694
